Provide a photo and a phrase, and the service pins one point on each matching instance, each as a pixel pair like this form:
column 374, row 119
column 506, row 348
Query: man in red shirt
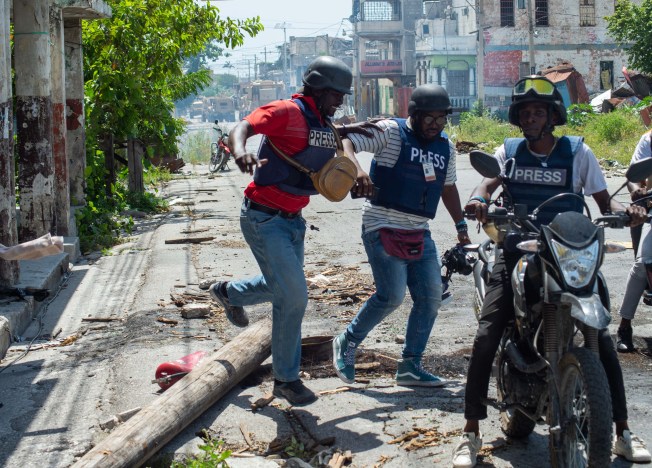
column 270, row 217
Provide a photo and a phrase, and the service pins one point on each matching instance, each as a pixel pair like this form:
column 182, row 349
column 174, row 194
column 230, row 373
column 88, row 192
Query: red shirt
column 286, row 127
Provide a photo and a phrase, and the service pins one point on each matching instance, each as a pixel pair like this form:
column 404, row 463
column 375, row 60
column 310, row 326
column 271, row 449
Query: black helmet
column 328, row 72
column 536, row 88
column 429, row 97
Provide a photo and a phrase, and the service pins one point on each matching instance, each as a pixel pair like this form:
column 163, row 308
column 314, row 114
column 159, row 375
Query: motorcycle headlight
column 577, row 265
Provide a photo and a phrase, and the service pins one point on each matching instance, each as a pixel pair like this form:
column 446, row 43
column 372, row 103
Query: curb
column 43, row 273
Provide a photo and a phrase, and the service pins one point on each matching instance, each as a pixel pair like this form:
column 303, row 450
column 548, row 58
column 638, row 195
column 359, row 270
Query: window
column 587, row 12
column 507, row 12
column 541, row 12
column 606, row 75
column 458, row 83
column 426, row 29
column 381, row 10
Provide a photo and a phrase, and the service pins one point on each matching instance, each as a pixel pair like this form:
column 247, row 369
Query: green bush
column 579, row 114
column 615, row 126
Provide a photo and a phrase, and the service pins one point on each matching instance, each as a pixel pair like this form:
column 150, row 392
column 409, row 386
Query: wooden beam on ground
column 133, row 443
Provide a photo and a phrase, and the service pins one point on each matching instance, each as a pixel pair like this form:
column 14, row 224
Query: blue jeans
column 392, row 275
column 277, row 244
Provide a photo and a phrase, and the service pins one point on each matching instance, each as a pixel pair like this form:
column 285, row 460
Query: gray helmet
column 536, row 88
column 328, row 72
column 429, row 97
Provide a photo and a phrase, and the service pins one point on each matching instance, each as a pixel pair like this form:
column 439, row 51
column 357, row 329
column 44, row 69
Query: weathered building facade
column 399, row 44
column 524, row 36
column 49, row 118
column 446, row 49
column 383, row 51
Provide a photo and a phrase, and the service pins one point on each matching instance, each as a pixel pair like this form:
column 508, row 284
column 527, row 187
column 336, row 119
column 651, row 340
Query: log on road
column 133, row 443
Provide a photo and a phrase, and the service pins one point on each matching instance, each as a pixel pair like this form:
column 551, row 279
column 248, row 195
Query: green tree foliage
column 134, row 65
column 630, row 26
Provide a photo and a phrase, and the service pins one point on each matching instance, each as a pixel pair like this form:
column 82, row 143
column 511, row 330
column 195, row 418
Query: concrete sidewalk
column 48, row 273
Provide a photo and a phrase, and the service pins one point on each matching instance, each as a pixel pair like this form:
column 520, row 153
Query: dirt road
column 53, row 400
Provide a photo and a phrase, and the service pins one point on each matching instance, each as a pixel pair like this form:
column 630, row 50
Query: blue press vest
column 531, row 183
column 321, row 147
column 404, row 187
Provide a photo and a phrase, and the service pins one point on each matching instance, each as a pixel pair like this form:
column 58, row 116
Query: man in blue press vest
column 412, row 169
column 539, row 166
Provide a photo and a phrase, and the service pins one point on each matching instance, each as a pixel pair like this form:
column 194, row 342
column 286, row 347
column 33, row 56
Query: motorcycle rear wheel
column 586, row 414
column 214, row 163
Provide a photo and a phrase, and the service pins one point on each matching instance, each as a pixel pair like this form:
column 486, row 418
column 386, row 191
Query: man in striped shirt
column 412, row 169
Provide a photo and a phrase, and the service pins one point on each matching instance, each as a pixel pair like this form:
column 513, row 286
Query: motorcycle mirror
column 485, row 164
column 216, row 121
column 640, row 170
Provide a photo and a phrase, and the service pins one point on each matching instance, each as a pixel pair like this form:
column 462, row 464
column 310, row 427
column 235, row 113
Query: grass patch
column 612, row 136
column 195, row 146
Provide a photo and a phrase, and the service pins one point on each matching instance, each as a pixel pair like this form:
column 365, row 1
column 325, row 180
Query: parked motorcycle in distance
column 547, row 365
column 220, row 152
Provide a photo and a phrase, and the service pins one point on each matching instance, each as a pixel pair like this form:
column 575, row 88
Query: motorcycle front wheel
column 585, row 403
column 214, row 163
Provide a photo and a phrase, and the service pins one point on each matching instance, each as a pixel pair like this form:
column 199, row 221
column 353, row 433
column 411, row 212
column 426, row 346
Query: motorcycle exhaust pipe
column 519, row 362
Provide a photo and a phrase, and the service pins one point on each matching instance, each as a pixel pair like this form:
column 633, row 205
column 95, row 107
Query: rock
column 399, row 339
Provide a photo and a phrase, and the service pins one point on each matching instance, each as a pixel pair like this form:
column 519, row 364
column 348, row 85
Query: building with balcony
column 384, row 65
column 446, row 50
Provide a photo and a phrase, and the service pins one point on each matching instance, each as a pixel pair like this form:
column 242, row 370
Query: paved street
column 53, row 400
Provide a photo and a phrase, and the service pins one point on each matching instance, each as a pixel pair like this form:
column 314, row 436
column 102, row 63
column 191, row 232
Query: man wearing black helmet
column 540, row 165
column 270, row 217
column 412, row 169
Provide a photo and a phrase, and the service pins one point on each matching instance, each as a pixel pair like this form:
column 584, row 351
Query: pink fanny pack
column 402, row 243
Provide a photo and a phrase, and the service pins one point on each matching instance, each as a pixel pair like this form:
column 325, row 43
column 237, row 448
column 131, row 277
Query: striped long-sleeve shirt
column 386, row 147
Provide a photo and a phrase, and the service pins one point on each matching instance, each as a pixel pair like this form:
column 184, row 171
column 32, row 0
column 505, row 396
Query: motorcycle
column 220, row 152
column 547, row 365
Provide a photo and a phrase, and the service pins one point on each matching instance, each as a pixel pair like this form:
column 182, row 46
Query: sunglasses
column 539, row 86
column 429, row 119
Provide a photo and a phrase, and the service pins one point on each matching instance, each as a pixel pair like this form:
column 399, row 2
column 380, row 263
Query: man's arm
column 478, row 202
column 451, row 198
column 364, row 186
column 637, row 214
column 238, row 136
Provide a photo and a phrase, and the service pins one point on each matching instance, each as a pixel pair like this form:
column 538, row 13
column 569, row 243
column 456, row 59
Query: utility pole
column 479, row 71
column 284, row 26
column 530, row 20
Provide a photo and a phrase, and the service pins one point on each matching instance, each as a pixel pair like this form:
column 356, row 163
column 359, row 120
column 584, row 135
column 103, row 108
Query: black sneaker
column 296, row 393
column 625, row 343
column 236, row 314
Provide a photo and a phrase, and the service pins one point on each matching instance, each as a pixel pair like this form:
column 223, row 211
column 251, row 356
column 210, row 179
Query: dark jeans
column 497, row 311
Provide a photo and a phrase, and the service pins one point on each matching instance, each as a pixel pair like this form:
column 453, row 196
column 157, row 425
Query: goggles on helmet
column 539, row 86
column 429, row 119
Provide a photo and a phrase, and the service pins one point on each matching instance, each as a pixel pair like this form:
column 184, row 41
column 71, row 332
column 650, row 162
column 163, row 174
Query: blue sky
column 302, row 17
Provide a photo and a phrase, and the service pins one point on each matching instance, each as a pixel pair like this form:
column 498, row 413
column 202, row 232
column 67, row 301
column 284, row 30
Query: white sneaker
column 465, row 454
column 632, row 448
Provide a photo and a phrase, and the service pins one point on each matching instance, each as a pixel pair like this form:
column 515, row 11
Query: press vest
column 321, row 147
column 531, row 181
column 404, row 186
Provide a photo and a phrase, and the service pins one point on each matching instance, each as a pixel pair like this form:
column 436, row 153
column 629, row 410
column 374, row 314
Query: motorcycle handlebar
column 614, row 221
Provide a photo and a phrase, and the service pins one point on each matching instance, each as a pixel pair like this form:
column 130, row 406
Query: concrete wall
column 562, row 40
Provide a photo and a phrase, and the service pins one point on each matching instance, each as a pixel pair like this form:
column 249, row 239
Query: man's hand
column 477, row 209
column 247, row 162
column 463, row 238
column 638, row 193
column 364, row 187
column 637, row 215
column 363, row 128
